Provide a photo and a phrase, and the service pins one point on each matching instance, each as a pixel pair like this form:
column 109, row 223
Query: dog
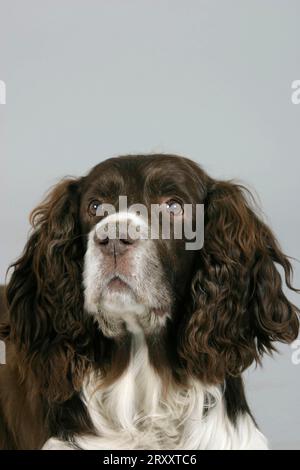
column 121, row 342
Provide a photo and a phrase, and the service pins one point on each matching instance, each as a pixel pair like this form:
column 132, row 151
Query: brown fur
column 230, row 306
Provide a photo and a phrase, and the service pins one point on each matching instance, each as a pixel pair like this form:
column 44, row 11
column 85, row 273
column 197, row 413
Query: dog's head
column 221, row 306
column 136, row 276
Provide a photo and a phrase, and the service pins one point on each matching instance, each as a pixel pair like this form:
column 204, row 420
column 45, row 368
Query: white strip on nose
column 134, row 225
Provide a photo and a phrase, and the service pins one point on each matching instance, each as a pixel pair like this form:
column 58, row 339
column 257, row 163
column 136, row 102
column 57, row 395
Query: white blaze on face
column 145, row 289
column 126, row 223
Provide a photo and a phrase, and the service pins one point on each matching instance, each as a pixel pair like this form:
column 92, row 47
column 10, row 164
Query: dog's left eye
column 174, row 207
column 93, row 207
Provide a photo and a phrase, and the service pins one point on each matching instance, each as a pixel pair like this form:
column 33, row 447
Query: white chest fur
column 135, row 412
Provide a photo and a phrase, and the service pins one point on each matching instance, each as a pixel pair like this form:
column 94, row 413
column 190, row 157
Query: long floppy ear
column 239, row 308
column 45, row 297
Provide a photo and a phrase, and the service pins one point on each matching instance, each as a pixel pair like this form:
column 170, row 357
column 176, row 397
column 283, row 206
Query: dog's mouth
column 121, row 295
column 118, row 284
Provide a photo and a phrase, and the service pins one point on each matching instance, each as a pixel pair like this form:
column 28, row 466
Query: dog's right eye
column 93, row 207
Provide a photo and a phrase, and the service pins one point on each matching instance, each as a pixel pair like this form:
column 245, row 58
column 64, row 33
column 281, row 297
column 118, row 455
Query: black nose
column 116, row 246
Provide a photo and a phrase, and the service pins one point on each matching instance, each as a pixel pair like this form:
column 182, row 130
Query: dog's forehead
column 137, row 171
column 133, row 165
column 116, row 176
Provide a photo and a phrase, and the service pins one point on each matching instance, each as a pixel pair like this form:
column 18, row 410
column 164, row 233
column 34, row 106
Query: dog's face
column 215, row 310
column 136, row 283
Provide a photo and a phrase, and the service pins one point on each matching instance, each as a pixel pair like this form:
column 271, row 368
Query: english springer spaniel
column 140, row 343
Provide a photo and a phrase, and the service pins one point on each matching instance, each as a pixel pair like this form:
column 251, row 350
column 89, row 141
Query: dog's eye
column 93, row 207
column 174, row 207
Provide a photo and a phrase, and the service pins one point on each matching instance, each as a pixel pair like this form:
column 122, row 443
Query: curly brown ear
column 44, row 294
column 239, row 308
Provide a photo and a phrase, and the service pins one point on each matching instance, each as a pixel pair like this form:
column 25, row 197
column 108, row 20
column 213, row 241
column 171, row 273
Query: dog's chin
column 119, row 314
column 118, row 311
column 118, row 303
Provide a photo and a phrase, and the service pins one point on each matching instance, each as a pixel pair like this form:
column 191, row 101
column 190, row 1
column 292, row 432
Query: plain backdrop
column 211, row 80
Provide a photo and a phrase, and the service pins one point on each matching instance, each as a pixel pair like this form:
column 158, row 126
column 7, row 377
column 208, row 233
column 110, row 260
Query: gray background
column 208, row 79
